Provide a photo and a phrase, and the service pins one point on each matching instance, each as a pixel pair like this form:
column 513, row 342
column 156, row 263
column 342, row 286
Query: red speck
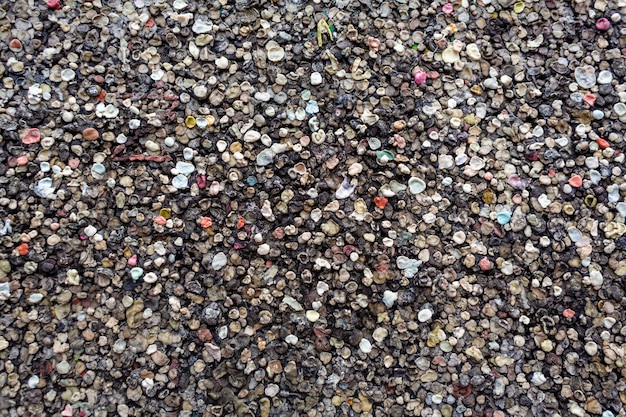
column 15, row 44
column 279, row 233
column 153, row 158
column 206, row 222
column 149, row 23
column 32, row 136
column 484, row 264
column 399, row 141
column 420, row 77
column 53, row 4
column 603, row 143
column 241, row 222
column 205, row 335
column 569, row 313
column 22, row 249
column 603, row 24
column 381, row 202
column 73, row 163
column 102, row 96
column 575, row 181
column 589, row 99
column 201, row 181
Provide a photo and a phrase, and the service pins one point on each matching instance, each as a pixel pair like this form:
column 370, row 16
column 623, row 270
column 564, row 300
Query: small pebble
column 389, row 298
column 33, row 382
column 591, row 348
column 312, row 316
column 316, row 78
column 136, row 273
column 424, row 315
column 152, row 146
column 365, row 346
